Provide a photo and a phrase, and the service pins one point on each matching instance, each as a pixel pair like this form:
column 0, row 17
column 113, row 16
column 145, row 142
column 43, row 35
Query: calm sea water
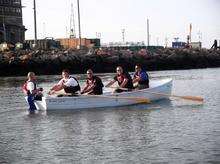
column 170, row 131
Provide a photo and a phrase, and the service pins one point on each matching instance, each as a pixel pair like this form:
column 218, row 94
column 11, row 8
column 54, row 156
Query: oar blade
column 193, row 98
column 143, row 101
column 137, row 99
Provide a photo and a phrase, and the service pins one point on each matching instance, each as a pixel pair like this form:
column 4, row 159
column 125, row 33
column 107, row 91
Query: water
column 164, row 132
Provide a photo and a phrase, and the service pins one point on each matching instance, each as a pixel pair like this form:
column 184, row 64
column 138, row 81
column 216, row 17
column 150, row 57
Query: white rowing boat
column 107, row 99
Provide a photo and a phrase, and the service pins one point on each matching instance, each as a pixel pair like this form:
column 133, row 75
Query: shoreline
column 19, row 63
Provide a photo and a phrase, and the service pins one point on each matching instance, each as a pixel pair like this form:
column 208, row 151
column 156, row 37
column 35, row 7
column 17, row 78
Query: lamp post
column 148, row 33
column 123, row 35
column 80, row 41
column 35, row 25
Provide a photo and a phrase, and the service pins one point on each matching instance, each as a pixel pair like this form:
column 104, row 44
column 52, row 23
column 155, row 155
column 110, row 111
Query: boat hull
column 108, row 99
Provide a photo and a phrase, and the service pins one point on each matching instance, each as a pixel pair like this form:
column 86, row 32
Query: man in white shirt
column 68, row 83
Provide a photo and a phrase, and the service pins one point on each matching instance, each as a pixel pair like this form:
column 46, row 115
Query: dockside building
column 12, row 29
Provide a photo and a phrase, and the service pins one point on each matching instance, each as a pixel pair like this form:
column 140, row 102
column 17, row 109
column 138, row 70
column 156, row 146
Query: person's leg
column 118, row 91
column 58, row 88
column 142, row 86
column 71, row 89
column 32, row 106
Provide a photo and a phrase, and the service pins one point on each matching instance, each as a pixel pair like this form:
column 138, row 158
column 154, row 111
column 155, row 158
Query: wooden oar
column 193, row 98
column 137, row 99
column 61, row 93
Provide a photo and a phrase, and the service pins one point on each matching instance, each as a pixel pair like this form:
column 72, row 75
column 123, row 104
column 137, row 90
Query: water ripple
column 165, row 132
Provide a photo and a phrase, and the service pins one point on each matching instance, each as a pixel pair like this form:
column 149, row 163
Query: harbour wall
column 18, row 63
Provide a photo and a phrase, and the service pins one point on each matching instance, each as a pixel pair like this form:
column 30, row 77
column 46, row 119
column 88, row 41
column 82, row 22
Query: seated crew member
column 93, row 85
column 141, row 78
column 68, row 83
column 124, row 80
column 32, row 92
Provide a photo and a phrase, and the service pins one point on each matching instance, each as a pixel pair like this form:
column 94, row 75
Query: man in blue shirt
column 141, row 78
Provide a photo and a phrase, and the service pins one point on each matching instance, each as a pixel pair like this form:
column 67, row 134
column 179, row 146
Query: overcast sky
column 168, row 18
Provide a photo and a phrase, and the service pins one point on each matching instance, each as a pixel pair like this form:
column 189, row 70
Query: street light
column 123, row 35
column 148, row 33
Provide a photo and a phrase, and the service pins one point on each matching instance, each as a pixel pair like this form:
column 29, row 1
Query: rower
column 68, row 83
column 124, row 80
column 141, row 78
column 93, row 84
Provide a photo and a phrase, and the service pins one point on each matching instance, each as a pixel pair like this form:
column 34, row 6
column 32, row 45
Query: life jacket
column 99, row 85
column 78, row 86
column 144, row 79
column 24, row 87
column 120, row 79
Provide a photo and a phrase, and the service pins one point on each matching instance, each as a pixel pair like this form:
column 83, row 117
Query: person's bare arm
column 110, row 83
column 135, row 80
column 56, row 87
column 85, row 89
column 124, row 83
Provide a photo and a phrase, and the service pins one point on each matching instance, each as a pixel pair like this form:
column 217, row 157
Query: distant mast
column 123, row 35
column 189, row 37
column 166, row 42
column 72, row 23
column 35, row 24
column 148, row 33
column 190, row 33
column 80, row 42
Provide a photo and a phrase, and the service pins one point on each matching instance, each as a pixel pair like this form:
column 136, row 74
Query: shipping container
column 178, row 44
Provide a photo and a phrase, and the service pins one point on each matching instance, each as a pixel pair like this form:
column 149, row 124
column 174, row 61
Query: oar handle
column 124, row 89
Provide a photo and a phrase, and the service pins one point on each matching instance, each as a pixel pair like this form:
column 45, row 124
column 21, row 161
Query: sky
column 168, row 19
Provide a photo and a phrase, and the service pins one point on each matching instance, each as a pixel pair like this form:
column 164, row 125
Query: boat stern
column 40, row 105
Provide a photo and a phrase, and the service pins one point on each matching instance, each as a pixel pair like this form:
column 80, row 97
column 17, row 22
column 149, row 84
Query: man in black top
column 93, row 85
column 124, row 80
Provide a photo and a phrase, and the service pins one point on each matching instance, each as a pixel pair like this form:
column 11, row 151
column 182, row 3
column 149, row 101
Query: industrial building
column 11, row 24
column 195, row 45
column 64, row 43
column 74, row 43
column 44, row 44
column 189, row 43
